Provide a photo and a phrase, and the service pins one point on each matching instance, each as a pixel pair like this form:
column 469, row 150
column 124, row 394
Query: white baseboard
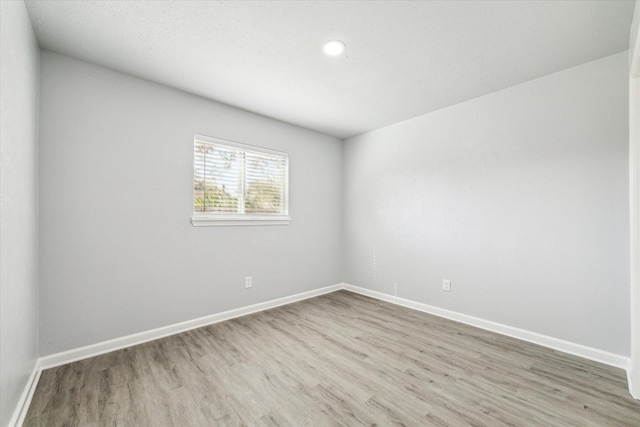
column 27, row 394
column 142, row 337
column 92, row 350
column 632, row 389
column 554, row 343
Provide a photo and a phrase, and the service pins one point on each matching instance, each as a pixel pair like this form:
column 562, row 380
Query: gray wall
column 19, row 79
column 118, row 254
column 520, row 198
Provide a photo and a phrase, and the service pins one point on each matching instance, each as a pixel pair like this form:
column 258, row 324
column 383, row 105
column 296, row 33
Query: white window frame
column 208, row 219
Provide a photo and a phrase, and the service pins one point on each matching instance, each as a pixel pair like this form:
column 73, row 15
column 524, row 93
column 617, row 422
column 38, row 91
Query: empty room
column 319, row 213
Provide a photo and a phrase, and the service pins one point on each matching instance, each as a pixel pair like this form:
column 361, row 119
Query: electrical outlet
column 248, row 282
column 446, row 285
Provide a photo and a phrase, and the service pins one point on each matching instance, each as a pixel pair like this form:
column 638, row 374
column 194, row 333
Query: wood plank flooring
column 338, row 359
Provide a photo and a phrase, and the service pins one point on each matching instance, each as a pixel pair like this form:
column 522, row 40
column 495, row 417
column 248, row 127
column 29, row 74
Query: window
column 237, row 184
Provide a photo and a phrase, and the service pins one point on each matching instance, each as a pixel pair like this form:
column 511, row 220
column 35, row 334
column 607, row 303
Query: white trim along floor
column 69, row 356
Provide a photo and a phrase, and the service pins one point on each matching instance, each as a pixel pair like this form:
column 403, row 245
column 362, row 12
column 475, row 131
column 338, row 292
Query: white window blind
column 237, row 184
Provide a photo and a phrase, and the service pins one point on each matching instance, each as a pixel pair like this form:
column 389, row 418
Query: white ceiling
column 403, row 59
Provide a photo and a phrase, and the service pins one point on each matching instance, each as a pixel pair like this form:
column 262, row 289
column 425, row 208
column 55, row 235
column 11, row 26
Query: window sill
column 218, row 221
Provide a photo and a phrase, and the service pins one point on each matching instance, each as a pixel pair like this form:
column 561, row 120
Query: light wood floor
column 338, row 359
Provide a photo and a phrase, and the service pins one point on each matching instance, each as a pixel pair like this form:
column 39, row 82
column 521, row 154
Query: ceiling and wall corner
column 404, row 59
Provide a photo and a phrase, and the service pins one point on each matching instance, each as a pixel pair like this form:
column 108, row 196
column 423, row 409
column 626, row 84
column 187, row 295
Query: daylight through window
column 238, row 184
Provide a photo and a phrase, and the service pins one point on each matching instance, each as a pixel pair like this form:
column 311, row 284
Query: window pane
column 265, row 177
column 221, row 170
column 232, row 180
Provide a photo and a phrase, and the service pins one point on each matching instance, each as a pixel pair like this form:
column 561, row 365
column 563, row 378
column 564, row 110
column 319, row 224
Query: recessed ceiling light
column 334, row 48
